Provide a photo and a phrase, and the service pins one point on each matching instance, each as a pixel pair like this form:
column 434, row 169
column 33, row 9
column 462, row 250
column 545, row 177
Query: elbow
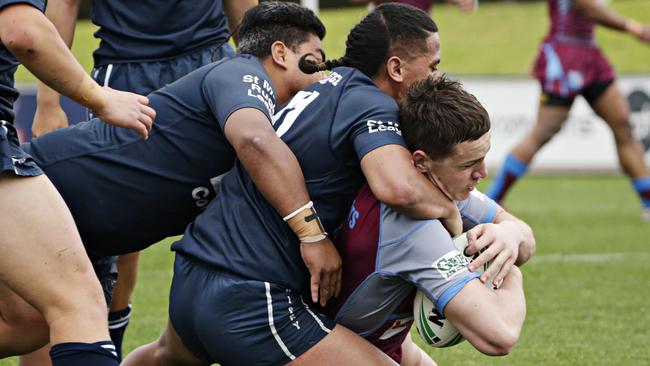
column 500, row 343
column 18, row 39
column 253, row 141
column 400, row 196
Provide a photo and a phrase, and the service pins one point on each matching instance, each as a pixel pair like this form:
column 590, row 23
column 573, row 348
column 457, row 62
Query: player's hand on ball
column 324, row 264
column 500, row 245
column 128, row 110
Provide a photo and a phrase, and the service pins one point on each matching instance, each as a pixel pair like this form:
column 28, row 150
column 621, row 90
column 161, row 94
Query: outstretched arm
column 603, row 15
column 491, row 320
column 34, row 41
column 277, row 174
column 396, row 182
column 49, row 114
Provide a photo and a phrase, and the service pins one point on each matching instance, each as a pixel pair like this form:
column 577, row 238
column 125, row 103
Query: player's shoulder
column 361, row 91
column 399, row 228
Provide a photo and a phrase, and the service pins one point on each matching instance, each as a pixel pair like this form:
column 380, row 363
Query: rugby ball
column 432, row 326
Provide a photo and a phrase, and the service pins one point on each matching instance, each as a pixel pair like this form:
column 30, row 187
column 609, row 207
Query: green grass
column 499, row 39
column 581, row 310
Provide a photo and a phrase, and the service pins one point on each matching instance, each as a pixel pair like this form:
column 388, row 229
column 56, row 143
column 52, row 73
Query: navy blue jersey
column 330, row 127
column 8, row 65
column 126, row 193
column 146, row 30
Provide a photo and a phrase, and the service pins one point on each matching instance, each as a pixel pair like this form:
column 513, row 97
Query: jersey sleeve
column 374, row 122
column 477, row 209
column 38, row 4
column 234, row 85
column 426, row 256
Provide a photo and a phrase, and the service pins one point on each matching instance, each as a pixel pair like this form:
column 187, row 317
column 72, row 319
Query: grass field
column 587, row 288
column 500, row 38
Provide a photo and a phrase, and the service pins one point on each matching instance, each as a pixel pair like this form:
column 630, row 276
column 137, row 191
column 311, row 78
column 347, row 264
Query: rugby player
column 237, row 292
column 140, row 54
column 570, row 63
column 43, row 261
column 387, row 255
column 126, row 193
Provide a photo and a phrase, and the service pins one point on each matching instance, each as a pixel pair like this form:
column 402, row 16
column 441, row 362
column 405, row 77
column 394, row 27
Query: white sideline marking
column 589, row 257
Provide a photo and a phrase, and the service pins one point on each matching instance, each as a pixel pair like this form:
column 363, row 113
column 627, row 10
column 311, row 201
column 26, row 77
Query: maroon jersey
column 568, row 23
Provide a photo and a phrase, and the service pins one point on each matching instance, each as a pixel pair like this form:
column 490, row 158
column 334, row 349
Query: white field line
column 589, row 257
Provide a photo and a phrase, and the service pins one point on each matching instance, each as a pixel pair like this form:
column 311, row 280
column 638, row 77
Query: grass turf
column 587, row 287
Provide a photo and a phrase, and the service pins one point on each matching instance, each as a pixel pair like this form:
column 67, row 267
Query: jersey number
column 290, row 113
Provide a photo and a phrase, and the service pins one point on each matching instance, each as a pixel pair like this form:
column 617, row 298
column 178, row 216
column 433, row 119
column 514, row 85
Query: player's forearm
column 234, row 10
column 34, row 41
column 491, row 320
column 397, row 183
column 524, row 233
column 63, row 14
column 601, row 14
column 268, row 160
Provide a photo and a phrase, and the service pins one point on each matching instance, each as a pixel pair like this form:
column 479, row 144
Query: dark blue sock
column 84, row 354
column 117, row 323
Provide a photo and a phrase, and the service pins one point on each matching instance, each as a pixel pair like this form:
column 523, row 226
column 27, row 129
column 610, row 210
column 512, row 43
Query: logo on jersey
column 353, row 216
column 262, row 90
column 397, row 328
column 383, row 126
column 334, row 79
column 451, row 264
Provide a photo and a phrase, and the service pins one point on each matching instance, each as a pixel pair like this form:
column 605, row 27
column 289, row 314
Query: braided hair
column 274, row 21
column 389, row 28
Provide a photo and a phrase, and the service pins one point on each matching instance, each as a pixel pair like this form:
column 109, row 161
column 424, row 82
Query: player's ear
column 419, row 160
column 394, row 66
column 279, row 54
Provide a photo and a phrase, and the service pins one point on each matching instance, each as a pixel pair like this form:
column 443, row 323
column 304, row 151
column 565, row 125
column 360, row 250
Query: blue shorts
column 147, row 76
column 14, row 159
column 236, row 321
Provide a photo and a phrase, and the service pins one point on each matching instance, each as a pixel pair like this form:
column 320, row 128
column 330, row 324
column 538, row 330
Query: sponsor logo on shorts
column 451, row 264
column 292, row 316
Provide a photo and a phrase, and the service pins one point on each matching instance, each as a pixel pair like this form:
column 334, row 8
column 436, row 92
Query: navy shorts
column 231, row 320
column 143, row 77
column 14, row 159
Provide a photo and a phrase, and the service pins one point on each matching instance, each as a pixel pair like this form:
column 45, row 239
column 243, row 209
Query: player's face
column 458, row 174
column 312, row 50
column 422, row 64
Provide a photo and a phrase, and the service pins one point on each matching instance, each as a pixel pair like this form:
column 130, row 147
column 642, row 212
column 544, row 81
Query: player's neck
column 278, row 79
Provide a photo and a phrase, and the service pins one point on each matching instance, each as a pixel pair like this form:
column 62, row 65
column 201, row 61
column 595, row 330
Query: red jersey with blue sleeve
column 330, row 127
column 387, row 255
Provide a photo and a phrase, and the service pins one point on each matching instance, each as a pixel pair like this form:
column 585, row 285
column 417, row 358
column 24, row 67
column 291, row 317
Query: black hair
column 273, row 21
column 437, row 113
column 389, row 28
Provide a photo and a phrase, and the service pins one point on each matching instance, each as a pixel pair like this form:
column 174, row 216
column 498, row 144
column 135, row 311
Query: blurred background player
column 43, row 259
column 387, row 256
column 157, row 186
column 144, row 45
column 241, row 250
column 571, row 63
column 425, row 5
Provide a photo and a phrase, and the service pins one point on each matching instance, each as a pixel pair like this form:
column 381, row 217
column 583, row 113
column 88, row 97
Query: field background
column 588, row 288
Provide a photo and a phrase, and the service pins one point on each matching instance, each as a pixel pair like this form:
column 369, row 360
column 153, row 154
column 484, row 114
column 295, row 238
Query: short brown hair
column 437, row 113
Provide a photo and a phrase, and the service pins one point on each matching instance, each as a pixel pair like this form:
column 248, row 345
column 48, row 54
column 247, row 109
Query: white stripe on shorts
column 109, row 69
column 269, row 307
column 320, row 323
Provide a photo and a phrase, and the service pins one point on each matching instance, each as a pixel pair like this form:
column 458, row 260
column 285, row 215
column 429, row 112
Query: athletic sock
column 117, row 323
column 512, row 169
column 642, row 188
column 84, row 354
